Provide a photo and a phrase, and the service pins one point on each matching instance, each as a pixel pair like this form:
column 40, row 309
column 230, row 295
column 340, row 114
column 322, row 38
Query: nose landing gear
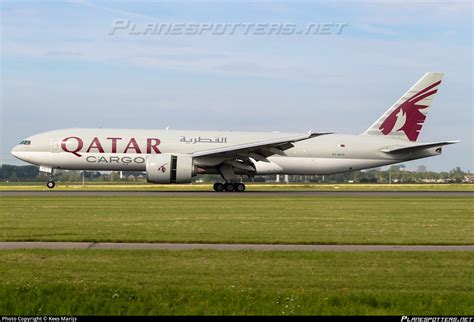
column 50, row 171
column 51, row 184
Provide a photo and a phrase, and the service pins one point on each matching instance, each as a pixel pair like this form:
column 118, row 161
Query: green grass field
column 238, row 219
column 234, row 282
column 142, row 186
column 138, row 282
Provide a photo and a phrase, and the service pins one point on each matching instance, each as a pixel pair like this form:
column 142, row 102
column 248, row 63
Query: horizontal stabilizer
column 413, row 148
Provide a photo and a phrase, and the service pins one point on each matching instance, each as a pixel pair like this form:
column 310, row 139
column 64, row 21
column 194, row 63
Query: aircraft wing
column 413, row 148
column 259, row 150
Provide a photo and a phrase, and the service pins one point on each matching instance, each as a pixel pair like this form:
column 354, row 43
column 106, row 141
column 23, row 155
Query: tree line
column 395, row 174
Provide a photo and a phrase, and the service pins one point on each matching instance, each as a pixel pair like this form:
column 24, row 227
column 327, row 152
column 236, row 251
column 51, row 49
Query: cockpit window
column 25, row 142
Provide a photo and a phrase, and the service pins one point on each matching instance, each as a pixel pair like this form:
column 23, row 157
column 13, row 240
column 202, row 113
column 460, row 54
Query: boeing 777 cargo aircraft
column 178, row 156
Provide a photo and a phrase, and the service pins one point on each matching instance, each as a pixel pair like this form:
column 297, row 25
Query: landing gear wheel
column 228, row 187
column 51, row 184
column 218, row 187
column 240, row 187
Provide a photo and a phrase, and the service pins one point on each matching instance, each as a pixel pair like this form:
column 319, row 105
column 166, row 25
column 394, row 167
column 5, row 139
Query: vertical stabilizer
column 406, row 117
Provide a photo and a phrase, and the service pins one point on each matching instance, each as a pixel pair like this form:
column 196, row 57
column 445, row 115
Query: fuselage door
column 55, row 145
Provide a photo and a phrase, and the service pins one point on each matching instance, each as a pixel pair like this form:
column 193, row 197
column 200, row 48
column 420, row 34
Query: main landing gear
column 229, row 187
column 231, row 181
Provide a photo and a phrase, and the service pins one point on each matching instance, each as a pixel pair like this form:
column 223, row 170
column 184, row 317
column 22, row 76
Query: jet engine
column 169, row 168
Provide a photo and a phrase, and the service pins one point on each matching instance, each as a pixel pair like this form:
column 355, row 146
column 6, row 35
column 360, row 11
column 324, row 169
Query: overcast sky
column 62, row 67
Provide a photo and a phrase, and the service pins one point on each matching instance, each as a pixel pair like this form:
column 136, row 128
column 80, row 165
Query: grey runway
column 137, row 193
column 234, row 247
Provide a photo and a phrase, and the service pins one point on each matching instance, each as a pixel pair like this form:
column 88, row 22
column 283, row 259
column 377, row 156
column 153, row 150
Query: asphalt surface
column 109, row 193
column 253, row 247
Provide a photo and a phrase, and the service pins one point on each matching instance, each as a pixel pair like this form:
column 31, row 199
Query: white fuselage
column 120, row 150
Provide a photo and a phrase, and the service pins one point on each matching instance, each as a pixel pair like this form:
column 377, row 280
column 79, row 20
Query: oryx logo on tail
column 404, row 119
column 408, row 116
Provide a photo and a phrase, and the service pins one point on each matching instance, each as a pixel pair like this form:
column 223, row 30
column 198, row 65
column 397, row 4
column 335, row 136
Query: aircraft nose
column 19, row 153
column 14, row 151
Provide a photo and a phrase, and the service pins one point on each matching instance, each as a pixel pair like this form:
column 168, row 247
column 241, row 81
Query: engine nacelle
column 169, row 168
